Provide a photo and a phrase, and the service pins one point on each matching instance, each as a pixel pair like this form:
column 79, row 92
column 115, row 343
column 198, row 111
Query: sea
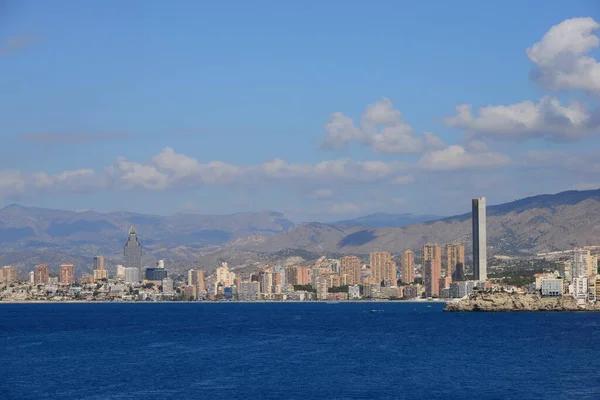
column 368, row 350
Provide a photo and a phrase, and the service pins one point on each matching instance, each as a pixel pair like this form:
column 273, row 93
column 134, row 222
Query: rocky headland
column 508, row 302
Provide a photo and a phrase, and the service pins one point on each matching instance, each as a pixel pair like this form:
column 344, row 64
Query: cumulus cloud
column 11, row 183
column 171, row 169
column 433, row 142
column 323, row 193
column 547, row 119
column 562, row 56
column 81, row 179
column 404, row 180
column 382, row 128
column 457, row 157
column 477, row 146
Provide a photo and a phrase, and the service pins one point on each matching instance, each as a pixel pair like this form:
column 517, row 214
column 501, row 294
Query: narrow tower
column 133, row 250
column 479, row 240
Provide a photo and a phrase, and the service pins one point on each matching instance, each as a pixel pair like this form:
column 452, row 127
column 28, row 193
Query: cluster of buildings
column 439, row 275
column 577, row 276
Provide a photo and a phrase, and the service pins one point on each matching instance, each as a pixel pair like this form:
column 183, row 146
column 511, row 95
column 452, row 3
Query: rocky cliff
column 517, row 302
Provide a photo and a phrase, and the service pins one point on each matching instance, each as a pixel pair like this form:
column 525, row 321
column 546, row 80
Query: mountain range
column 31, row 235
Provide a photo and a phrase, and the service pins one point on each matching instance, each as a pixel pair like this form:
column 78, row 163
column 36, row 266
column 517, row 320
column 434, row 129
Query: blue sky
column 318, row 110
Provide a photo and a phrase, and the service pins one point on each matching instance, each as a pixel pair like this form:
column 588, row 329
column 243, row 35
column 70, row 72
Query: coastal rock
column 502, row 301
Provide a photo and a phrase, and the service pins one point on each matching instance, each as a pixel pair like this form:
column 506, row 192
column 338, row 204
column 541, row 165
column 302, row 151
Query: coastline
column 519, row 302
column 330, row 302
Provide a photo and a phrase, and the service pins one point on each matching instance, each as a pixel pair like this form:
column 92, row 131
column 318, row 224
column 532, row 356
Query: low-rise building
column 354, row 292
column 552, row 286
column 249, row 291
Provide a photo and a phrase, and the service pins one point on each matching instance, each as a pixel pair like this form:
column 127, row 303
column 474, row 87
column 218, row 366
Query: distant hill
column 25, row 230
column 386, row 220
column 530, row 225
column 525, row 226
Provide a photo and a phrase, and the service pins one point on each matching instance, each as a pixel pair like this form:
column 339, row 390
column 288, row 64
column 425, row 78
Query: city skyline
column 297, row 122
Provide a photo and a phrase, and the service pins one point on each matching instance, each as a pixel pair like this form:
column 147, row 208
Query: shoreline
column 330, row 302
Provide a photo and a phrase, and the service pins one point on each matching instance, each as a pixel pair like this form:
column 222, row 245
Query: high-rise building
column 266, row 281
column 100, row 272
column 298, row 275
column 432, row 251
column 67, row 274
column 432, row 271
column 224, row 275
column 120, row 272
column 350, row 266
column 41, row 274
column 479, row 239
column 99, row 262
column 133, row 250
column 8, row 274
column 408, row 267
column 201, row 282
column 192, row 277
column 581, row 264
column 455, row 254
column 383, row 268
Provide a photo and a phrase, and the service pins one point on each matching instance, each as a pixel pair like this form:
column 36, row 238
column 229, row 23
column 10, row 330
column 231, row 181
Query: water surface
column 293, row 350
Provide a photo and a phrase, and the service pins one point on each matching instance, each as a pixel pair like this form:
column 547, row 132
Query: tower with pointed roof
column 133, row 250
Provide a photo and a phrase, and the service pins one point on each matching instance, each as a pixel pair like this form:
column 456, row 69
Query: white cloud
column 404, row 180
column 76, row 180
column 11, row 182
column 457, row 157
column 323, row 193
column 433, row 142
column 129, row 175
column 171, row 169
column 561, row 57
column 382, row 128
column 477, row 146
column 546, row 119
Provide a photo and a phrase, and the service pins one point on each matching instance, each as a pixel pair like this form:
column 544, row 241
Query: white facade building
column 132, row 275
column 354, row 292
column 580, row 289
column 552, row 287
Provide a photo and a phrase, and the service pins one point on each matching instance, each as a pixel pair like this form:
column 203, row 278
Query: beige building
column 350, row 266
column 100, row 274
column 455, row 254
column 8, row 274
column 431, row 276
column 299, row 275
column 408, row 267
column 41, row 274
column 224, row 275
column 383, row 268
column 432, row 251
column 201, row 281
column 99, row 262
column 67, row 274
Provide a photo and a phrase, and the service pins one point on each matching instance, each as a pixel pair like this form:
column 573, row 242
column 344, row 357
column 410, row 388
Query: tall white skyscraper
column 479, row 240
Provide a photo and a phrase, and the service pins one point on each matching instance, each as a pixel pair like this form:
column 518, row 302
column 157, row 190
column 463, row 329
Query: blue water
column 292, row 351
